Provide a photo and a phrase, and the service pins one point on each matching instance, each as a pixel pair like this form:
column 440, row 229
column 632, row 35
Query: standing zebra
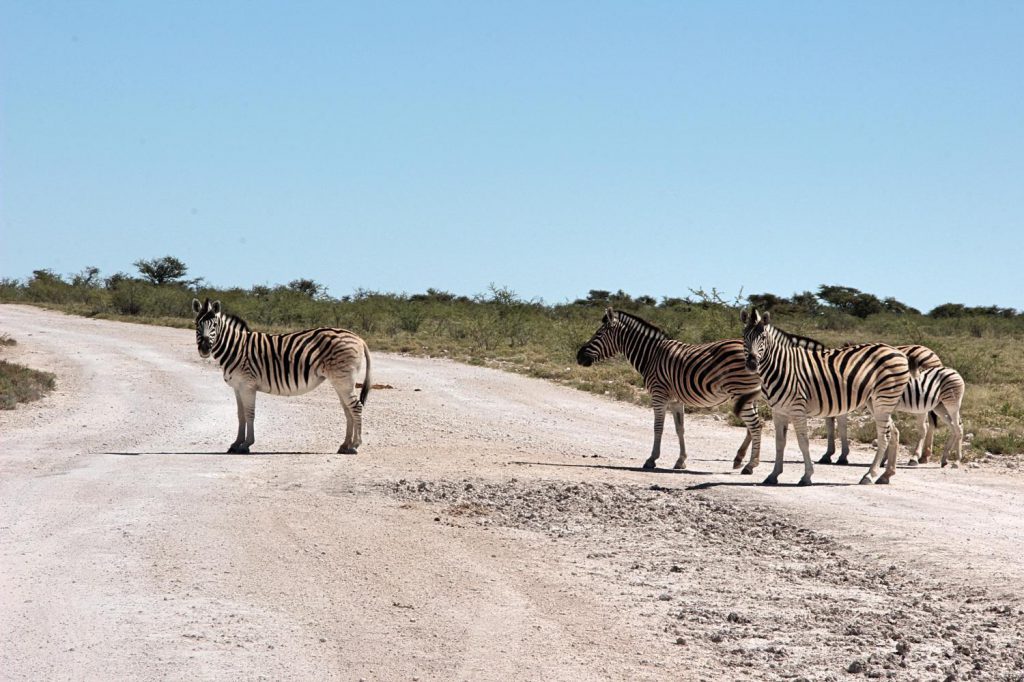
column 801, row 382
column 678, row 375
column 926, row 359
column 283, row 364
column 936, row 392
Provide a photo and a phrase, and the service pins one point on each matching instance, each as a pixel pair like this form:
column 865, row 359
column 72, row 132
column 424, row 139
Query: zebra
column 937, row 392
column 800, row 382
column 282, row 364
column 926, row 359
column 679, row 375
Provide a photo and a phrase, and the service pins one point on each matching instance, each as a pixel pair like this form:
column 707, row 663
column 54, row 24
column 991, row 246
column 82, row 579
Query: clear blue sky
column 551, row 147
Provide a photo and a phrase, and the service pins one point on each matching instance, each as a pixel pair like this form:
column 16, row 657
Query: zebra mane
column 642, row 324
column 802, row 341
column 235, row 320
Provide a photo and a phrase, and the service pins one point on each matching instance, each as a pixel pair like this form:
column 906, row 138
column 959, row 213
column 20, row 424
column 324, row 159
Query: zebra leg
column 658, row 403
column 883, row 427
column 753, row 423
column 346, row 390
column 246, row 398
column 830, row 440
column 920, row 446
column 240, row 438
column 737, row 461
column 956, row 433
column 781, row 423
column 844, row 439
column 891, row 451
column 929, row 438
column 800, row 426
column 679, row 417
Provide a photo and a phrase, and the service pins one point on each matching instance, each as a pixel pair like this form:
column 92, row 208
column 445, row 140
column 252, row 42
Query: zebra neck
column 230, row 337
column 638, row 347
column 778, row 351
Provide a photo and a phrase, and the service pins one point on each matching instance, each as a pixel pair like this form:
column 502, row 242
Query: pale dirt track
column 492, row 527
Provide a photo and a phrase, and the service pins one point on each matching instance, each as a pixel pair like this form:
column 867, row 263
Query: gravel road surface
column 492, row 527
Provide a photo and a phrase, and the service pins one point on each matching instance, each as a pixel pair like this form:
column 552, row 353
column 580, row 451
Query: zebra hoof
column 912, row 463
column 843, row 461
column 649, row 464
column 806, row 480
column 737, row 463
column 825, row 459
column 771, row 480
column 747, row 470
column 866, row 480
column 239, row 449
column 882, row 480
column 345, row 450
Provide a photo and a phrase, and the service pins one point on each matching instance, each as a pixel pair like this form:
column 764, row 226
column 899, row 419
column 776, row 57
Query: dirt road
column 492, row 527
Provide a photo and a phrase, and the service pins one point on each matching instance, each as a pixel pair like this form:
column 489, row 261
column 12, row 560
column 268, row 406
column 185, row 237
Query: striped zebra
column 926, row 359
column 283, row 364
column 680, row 375
column 937, row 392
column 800, row 382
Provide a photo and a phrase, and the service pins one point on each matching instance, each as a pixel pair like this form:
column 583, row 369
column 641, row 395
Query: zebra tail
column 743, row 401
column 934, row 418
column 366, row 379
column 913, row 365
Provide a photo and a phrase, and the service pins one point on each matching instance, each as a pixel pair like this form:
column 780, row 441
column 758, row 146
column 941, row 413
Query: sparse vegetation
column 499, row 329
column 20, row 384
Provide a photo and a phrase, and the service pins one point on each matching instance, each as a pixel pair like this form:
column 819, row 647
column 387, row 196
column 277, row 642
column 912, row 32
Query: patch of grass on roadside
column 20, row 384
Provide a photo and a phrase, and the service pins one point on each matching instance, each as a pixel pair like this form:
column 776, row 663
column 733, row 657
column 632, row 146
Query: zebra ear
column 196, row 306
column 215, row 307
column 767, row 318
column 610, row 315
column 743, row 316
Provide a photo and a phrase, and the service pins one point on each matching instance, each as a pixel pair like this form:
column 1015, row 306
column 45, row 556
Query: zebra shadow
column 865, row 464
column 217, row 453
column 756, row 483
column 620, row 467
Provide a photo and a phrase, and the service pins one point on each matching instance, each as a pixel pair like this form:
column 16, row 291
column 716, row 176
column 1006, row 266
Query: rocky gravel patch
column 745, row 589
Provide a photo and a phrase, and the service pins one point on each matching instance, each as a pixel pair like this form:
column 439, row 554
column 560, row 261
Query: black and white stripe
column 283, row 364
column 926, row 358
column 800, row 382
column 939, row 392
column 680, row 375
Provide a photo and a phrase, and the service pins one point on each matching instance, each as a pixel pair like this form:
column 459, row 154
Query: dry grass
column 20, row 384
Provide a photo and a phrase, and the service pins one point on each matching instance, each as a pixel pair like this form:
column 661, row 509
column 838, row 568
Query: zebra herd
column 796, row 376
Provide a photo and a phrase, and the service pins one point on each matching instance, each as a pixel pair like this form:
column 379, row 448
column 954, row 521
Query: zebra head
column 754, row 338
column 207, row 325
column 604, row 343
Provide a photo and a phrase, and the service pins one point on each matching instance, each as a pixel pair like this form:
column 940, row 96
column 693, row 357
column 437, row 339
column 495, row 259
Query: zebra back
column 286, row 364
column 824, row 382
column 932, row 387
column 924, row 356
column 703, row 374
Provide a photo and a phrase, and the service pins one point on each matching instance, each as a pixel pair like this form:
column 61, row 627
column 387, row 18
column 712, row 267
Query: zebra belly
column 710, row 401
column 299, row 388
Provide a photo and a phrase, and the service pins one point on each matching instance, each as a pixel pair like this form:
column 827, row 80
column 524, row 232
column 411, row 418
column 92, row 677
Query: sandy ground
column 492, row 527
